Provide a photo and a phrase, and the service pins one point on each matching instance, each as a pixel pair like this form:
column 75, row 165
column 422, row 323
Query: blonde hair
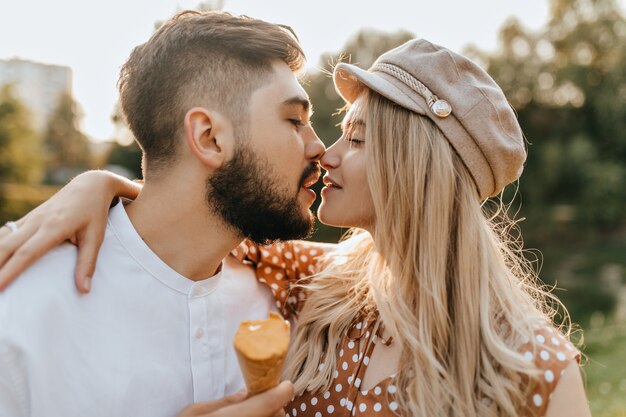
column 449, row 282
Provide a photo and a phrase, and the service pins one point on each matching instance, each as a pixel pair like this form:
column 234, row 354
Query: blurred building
column 37, row 86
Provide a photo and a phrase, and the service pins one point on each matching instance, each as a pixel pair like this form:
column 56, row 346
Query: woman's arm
column 78, row 213
column 568, row 398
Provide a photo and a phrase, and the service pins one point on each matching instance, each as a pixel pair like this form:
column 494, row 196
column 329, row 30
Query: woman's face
column 346, row 197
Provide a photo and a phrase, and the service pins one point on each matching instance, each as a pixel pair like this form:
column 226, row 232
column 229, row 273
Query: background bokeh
column 567, row 82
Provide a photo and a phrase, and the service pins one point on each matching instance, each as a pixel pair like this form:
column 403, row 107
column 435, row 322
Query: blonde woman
column 428, row 308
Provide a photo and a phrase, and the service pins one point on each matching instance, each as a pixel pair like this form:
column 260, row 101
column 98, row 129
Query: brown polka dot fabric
column 280, row 265
column 346, row 396
column 551, row 352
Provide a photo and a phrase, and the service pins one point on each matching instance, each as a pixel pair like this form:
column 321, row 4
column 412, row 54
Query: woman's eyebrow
column 352, row 124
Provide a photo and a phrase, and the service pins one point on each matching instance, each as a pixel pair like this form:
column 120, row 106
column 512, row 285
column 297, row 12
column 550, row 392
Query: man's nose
column 314, row 147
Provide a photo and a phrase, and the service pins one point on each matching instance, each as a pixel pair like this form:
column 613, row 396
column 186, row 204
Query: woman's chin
column 327, row 217
column 332, row 218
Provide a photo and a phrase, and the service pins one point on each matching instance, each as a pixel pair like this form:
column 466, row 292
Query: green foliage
column 588, row 275
column 21, row 198
column 603, row 369
column 126, row 156
column 20, row 157
column 125, row 153
column 568, row 85
column 67, row 148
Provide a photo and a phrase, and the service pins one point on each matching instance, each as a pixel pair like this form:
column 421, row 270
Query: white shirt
column 145, row 342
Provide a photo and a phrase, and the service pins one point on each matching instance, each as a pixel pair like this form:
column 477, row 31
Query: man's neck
column 177, row 225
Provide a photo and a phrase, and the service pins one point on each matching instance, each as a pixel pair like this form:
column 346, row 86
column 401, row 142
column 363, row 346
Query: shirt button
column 198, row 291
column 199, row 333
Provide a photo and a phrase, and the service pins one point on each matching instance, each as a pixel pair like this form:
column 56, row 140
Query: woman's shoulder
column 552, row 353
column 283, row 267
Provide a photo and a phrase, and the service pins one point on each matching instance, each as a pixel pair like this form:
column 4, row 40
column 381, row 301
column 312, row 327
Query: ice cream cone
column 261, row 347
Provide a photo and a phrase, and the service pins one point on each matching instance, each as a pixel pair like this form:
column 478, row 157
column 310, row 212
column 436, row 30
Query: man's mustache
column 309, row 171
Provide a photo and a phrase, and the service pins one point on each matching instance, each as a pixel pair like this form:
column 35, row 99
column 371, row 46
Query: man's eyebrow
column 298, row 101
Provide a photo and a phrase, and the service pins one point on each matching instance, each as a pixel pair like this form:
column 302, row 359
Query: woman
column 428, row 308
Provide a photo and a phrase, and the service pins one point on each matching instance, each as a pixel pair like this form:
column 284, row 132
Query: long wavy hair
column 449, row 280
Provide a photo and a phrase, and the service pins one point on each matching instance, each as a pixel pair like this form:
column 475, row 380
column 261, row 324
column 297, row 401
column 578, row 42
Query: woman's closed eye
column 355, row 141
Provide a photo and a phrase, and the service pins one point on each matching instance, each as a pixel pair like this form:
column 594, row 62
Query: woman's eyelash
column 355, row 141
column 297, row 122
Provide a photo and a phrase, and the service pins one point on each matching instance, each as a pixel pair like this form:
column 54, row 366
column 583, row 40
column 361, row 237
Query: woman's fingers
column 9, row 241
column 206, row 408
column 66, row 215
column 12, row 244
column 88, row 248
column 266, row 404
column 4, row 231
column 22, row 248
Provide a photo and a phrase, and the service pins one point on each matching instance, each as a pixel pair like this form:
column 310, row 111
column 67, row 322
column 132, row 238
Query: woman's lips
column 330, row 183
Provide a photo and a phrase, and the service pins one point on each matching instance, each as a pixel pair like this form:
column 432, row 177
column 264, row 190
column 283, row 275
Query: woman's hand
column 78, row 213
column 266, row 404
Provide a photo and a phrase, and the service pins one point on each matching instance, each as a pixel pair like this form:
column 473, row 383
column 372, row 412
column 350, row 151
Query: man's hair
column 209, row 59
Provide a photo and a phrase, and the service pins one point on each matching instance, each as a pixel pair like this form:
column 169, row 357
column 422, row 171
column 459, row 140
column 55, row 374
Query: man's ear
column 207, row 134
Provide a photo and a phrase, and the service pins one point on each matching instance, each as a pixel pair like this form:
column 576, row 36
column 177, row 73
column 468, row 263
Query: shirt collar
column 120, row 225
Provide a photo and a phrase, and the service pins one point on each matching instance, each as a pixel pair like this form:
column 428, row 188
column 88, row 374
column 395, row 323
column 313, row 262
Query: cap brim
column 350, row 81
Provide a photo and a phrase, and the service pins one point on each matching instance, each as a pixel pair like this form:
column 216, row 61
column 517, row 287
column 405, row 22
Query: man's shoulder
column 51, row 277
column 58, row 262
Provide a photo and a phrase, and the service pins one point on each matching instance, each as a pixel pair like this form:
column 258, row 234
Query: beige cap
column 458, row 96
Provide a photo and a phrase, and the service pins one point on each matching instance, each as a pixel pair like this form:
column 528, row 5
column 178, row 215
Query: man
column 228, row 154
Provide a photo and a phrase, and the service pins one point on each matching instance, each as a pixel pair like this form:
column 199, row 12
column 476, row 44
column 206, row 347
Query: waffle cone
column 261, row 347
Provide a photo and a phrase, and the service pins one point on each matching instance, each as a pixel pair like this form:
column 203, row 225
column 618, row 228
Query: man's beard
column 246, row 197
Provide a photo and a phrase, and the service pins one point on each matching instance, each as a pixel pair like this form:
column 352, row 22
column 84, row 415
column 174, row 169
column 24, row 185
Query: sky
column 95, row 38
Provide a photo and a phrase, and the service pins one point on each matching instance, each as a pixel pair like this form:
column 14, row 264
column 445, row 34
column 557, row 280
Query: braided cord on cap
column 438, row 106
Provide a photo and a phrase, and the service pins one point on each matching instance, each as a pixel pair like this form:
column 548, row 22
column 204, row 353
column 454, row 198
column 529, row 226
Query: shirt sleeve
column 282, row 266
column 551, row 353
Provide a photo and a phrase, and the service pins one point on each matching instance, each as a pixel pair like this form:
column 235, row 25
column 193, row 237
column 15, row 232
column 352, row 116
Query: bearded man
column 228, row 153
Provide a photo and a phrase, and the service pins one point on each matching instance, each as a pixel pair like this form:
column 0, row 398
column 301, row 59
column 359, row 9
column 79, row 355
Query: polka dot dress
column 346, row 396
column 280, row 265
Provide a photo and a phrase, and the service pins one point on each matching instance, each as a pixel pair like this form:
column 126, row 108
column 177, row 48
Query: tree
column 20, row 155
column 67, row 148
column 568, row 85
column 127, row 157
column 125, row 153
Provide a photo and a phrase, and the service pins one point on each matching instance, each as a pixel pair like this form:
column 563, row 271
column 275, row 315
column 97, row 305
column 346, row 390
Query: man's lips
column 311, row 180
column 311, row 176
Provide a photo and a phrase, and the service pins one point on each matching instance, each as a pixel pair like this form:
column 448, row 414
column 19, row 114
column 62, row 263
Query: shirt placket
column 205, row 351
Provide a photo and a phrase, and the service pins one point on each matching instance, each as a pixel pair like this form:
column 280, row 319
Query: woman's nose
column 331, row 159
